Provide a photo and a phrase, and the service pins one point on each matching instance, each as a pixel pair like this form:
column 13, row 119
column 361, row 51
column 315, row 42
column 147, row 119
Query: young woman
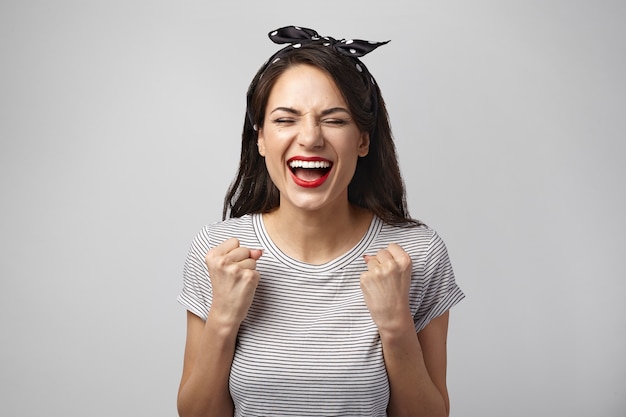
column 319, row 295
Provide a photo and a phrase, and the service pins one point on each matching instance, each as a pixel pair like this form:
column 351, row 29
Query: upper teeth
column 309, row 164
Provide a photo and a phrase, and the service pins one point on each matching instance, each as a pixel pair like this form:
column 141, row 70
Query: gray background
column 119, row 128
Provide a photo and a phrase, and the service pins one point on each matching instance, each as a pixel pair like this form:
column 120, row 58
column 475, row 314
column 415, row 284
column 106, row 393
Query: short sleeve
column 196, row 294
column 439, row 291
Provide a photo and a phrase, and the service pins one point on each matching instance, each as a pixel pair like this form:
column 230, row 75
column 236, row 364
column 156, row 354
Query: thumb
column 256, row 253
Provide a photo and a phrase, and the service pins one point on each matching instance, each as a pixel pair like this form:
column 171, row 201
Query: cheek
column 265, row 142
column 349, row 148
column 273, row 156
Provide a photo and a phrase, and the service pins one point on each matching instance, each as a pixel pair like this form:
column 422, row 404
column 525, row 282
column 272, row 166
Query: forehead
column 305, row 84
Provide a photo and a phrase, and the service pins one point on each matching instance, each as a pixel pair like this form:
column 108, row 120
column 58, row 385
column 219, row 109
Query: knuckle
column 403, row 262
column 249, row 274
column 220, row 262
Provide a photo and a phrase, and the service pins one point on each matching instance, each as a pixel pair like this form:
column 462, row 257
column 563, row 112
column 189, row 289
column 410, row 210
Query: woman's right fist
column 234, row 278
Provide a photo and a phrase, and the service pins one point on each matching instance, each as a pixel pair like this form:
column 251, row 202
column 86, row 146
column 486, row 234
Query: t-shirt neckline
column 358, row 250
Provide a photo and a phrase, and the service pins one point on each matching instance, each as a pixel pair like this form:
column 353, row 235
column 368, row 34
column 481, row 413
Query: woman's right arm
column 210, row 345
column 209, row 351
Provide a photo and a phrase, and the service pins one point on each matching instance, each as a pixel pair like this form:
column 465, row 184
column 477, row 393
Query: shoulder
column 224, row 229
column 212, row 234
column 410, row 235
column 421, row 242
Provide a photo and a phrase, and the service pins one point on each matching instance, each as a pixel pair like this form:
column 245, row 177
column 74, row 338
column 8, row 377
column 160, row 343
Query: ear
column 364, row 144
column 261, row 142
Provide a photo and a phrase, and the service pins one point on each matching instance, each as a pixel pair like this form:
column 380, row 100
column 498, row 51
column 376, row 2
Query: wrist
column 398, row 328
column 222, row 324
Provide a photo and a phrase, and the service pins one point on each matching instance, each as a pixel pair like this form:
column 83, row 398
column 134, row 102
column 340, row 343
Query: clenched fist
column 386, row 285
column 234, row 278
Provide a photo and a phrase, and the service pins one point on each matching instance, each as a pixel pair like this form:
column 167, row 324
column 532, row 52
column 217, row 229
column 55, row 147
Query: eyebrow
column 324, row 112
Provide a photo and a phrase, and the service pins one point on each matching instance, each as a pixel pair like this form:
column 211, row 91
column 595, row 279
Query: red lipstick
column 305, row 162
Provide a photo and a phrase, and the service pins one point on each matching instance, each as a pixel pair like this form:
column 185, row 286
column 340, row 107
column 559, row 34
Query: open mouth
column 310, row 173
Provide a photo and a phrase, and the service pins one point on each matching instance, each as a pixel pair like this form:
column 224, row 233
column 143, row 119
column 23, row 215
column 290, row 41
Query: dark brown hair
column 377, row 184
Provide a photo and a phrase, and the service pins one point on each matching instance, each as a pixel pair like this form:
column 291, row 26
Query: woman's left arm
column 416, row 363
column 416, row 368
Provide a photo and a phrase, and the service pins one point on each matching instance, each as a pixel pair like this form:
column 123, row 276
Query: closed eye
column 283, row 120
column 335, row 122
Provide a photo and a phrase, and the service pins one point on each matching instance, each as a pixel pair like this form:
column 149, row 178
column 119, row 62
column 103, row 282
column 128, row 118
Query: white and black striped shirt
column 308, row 346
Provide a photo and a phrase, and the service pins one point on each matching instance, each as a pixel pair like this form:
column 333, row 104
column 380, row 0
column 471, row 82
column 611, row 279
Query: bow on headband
column 297, row 36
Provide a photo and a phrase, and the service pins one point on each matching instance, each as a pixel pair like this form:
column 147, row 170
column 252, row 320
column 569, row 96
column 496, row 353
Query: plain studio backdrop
column 120, row 125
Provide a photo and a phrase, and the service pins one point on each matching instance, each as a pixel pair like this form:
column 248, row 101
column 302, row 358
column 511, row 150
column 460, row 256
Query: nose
column 310, row 134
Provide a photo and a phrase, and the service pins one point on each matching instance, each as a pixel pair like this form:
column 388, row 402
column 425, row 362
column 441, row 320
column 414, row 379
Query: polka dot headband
column 296, row 37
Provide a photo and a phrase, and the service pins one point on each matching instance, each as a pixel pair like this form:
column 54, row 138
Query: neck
column 317, row 237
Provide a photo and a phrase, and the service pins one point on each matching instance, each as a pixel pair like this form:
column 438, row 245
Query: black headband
column 296, row 37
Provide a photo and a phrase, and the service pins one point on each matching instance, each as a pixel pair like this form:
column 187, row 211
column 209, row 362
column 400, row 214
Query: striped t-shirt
column 308, row 346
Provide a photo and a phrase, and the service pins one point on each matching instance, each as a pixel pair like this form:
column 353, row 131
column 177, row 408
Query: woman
column 319, row 295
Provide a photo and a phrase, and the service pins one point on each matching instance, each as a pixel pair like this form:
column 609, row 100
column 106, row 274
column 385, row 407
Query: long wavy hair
column 376, row 185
